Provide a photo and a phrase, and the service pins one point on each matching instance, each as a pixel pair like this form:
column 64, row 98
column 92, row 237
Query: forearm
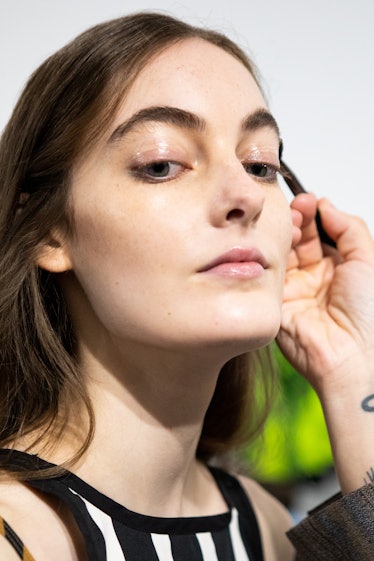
column 349, row 413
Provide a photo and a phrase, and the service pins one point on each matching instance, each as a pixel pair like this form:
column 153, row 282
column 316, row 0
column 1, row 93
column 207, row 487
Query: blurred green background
column 294, row 445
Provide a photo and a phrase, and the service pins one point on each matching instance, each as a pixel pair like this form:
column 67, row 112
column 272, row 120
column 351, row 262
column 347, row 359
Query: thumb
column 353, row 238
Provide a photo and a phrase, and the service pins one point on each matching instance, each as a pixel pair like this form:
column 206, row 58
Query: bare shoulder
column 14, row 505
column 29, row 515
column 274, row 520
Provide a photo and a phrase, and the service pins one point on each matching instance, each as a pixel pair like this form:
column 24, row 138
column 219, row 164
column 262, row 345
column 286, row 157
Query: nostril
column 234, row 214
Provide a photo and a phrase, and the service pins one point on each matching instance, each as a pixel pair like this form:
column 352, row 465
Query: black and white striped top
column 114, row 533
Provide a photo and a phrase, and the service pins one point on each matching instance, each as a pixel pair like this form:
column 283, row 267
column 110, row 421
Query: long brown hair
column 65, row 107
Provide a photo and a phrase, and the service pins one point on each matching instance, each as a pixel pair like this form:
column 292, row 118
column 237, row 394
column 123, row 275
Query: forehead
column 197, row 76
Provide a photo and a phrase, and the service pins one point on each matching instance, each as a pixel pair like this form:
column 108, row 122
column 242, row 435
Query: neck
column 148, row 422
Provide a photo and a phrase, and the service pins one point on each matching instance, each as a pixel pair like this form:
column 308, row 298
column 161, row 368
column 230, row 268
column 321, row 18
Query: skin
column 134, row 283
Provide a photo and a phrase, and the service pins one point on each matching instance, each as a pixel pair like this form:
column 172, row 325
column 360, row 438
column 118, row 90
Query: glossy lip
column 237, row 262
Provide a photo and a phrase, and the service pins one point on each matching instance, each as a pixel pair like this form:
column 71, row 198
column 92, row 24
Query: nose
column 236, row 197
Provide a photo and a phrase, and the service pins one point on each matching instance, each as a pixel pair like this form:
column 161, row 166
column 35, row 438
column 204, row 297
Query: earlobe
column 53, row 256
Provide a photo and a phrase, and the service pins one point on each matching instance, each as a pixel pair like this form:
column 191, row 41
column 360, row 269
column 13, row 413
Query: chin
column 238, row 337
column 244, row 343
column 256, row 332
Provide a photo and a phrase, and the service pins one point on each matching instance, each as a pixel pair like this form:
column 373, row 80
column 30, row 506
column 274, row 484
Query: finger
column 308, row 250
column 297, row 222
column 353, row 238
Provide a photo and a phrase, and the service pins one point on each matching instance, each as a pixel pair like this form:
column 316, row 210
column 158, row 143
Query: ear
column 53, row 254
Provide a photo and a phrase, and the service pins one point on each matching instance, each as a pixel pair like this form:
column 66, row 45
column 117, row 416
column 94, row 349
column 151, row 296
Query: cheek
column 280, row 226
column 289, row 236
column 117, row 253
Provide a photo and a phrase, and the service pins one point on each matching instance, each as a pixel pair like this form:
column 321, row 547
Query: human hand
column 327, row 326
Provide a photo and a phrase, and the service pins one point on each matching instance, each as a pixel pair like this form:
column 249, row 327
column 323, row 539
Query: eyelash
column 271, row 171
column 144, row 173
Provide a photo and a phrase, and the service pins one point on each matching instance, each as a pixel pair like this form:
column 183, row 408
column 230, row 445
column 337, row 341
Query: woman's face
column 181, row 230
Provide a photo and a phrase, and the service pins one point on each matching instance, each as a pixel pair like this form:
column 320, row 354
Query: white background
column 315, row 58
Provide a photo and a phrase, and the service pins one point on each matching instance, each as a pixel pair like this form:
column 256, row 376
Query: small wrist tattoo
column 370, row 476
column 367, row 404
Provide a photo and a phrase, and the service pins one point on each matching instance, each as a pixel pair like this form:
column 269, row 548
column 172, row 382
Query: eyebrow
column 259, row 119
column 185, row 119
column 162, row 114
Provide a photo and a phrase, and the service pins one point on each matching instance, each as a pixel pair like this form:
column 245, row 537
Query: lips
column 247, row 262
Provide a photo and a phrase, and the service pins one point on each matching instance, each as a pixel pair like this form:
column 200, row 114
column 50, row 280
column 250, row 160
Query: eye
column 159, row 171
column 262, row 171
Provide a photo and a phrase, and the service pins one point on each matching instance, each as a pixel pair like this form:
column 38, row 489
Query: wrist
column 352, row 379
column 350, row 422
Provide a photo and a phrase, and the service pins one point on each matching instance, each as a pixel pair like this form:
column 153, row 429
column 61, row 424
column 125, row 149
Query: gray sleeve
column 342, row 529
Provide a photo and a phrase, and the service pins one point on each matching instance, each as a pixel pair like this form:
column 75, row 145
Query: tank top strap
column 57, row 487
column 235, row 496
column 15, row 541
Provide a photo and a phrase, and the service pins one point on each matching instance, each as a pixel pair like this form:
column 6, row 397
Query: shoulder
column 274, row 520
column 14, row 508
column 29, row 514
